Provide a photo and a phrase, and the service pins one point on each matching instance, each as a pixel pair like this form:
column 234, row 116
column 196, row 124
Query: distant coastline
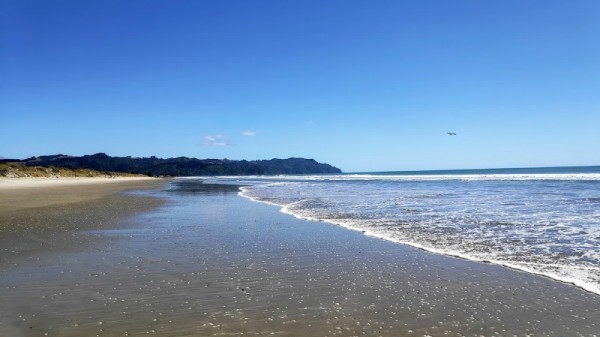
column 177, row 167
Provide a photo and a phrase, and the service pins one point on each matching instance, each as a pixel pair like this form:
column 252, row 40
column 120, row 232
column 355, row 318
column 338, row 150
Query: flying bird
column 451, row 133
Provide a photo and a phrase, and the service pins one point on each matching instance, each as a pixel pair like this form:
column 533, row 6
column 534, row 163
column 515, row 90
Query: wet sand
column 210, row 263
column 40, row 215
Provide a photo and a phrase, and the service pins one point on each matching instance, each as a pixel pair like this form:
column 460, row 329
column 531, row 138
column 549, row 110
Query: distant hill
column 183, row 166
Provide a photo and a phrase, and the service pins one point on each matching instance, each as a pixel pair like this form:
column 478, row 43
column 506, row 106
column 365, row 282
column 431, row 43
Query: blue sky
column 362, row 85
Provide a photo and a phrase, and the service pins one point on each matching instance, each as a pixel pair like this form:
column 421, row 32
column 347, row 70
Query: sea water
column 544, row 221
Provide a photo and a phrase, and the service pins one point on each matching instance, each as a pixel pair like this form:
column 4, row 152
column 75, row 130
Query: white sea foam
column 422, row 177
column 545, row 228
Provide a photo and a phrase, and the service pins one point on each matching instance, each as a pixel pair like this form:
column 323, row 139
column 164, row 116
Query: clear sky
column 363, row 85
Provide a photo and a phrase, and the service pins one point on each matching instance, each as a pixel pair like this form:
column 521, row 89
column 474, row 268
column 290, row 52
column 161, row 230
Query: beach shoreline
column 567, row 280
column 210, row 263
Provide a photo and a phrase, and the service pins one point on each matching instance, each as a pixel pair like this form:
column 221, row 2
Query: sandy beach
column 207, row 262
column 40, row 215
column 22, row 193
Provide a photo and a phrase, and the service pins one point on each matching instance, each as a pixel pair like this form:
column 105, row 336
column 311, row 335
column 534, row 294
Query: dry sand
column 210, row 263
column 21, row 193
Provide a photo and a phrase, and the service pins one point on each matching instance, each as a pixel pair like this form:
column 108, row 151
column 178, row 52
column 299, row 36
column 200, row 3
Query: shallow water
column 544, row 222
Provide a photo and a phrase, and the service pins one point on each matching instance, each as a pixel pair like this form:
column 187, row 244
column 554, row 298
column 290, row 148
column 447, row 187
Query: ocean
column 538, row 220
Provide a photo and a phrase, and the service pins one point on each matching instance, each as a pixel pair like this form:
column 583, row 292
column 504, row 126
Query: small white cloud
column 216, row 140
column 249, row 133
